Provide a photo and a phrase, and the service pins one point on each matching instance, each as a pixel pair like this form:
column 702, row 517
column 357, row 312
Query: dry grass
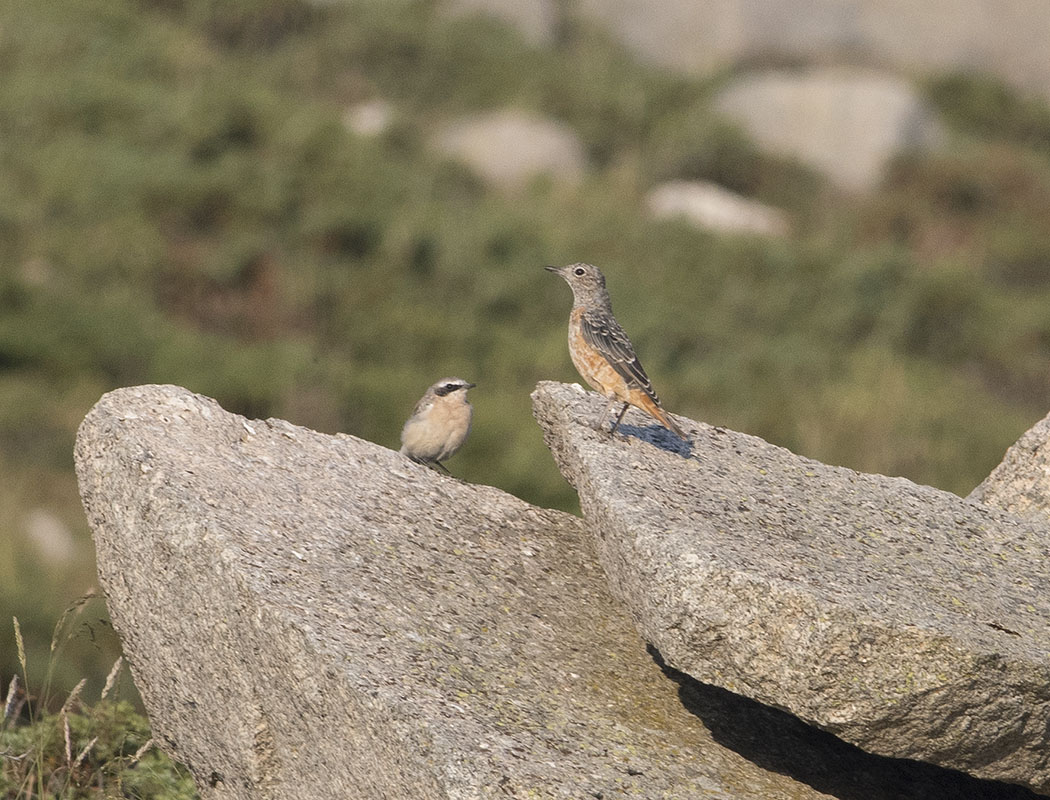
column 81, row 750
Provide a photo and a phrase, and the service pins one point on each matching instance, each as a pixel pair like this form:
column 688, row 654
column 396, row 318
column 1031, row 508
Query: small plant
column 80, row 751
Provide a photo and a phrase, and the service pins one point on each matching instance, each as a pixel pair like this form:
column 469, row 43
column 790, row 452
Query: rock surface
column 510, row 147
column 708, row 205
column 901, row 618
column 310, row 616
column 846, row 123
column 314, row 617
column 1021, row 483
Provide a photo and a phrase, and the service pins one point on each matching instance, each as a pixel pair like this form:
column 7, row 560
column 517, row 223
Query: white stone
column 510, row 147
column 708, row 205
column 846, row 123
column 371, row 118
column 51, row 537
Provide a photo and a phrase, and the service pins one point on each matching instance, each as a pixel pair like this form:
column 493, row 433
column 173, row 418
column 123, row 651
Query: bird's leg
column 617, row 423
column 443, row 467
column 605, row 414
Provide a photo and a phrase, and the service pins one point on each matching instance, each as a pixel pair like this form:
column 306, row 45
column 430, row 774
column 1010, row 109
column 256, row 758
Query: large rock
column 1021, row 483
column 901, row 618
column 511, row 147
column 1008, row 38
column 846, row 123
column 314, row 617
column 310, row 616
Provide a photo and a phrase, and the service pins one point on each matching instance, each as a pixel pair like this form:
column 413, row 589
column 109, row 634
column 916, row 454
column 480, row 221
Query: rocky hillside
column 1009, row 38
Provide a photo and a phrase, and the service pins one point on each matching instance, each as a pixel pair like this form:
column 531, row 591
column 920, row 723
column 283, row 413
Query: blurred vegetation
column 181, row 202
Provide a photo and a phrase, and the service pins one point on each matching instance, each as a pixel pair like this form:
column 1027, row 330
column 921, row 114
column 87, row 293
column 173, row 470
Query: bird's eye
column 578, row 271
column 451, row 387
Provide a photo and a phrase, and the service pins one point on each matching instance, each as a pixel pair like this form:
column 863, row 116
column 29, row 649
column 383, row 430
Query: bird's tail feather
column 650, row 407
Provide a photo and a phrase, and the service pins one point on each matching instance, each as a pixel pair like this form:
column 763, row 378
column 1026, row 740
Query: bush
column 77, row 751
column 985, row 106
column 182, row 203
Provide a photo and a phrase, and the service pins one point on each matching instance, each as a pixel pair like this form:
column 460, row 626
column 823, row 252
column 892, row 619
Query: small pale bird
column 601, row 351
column 439, row 423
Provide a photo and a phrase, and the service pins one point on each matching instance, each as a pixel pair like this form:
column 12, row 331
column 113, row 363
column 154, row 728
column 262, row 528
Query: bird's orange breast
column 593, row 367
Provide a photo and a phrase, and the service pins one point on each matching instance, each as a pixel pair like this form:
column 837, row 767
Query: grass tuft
column 83, row 751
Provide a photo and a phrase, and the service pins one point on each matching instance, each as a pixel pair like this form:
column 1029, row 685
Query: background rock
column 51, row 537
column 846, row 123
column 510, row 147
column 899, row 617
column 370, row 118
column 1021, row 483
column 708, row 205
column 1007, row 38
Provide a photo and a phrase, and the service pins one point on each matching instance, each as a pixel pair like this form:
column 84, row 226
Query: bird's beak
column 553, row 269
column 470, row 386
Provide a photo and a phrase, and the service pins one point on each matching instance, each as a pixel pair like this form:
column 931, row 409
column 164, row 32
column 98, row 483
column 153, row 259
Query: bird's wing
column 423, row 404
column 605, row 335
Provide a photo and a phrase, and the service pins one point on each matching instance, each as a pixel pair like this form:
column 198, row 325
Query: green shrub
column 180, row 202
column 985, row 106
column 74, row 751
